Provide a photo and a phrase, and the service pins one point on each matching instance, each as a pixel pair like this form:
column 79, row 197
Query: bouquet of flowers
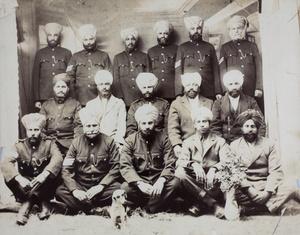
column 231, row 174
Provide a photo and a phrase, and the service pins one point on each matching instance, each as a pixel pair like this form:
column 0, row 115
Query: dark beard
column 250, row 137
column 196, row 37
column 148, row 96
column 234, row 94
column 164, row 42
column 191, row 94
column 90, row 47
column 34, row 141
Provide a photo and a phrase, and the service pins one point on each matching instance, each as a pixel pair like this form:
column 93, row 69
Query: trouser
column 44, row 192
column 284, row 194
column 138, row 198
column 100, row 200
column 195, row 192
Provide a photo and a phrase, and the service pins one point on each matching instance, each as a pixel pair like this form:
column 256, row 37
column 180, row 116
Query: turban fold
column 53, row 28
column 87, row 30
column 88, row 114
column 146, row 79
column 61, row 77
column 250, row 114
column 35, row 119
column 129, row 31
column 234, row 75
column 146, row 110
column 204, row 112
column 193, row 21
column 190, row 78
column 237, row 19
column 103, row 76
column 163, row 25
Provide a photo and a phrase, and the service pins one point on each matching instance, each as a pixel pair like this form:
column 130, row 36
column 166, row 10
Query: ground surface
column 162, row 223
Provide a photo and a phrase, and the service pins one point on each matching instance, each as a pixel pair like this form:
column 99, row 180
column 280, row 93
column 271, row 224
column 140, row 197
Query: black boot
column 24, row 212
column 45, row 210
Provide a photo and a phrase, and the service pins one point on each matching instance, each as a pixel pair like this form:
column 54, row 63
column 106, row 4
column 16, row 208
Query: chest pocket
column 248, row 55
column 50, row 122
column 231, row 58
column 124, row 70
column 171, row 61
column 139, row 162
column 155, row 62
column 62, row 64
column 204, row 59
column 140, row 68
column 45, row 64
column 158, row 160
column 24, row 166
column 189, row 60
column 102, row 162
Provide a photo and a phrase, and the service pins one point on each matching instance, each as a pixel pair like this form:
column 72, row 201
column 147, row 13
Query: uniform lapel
column 249, row 155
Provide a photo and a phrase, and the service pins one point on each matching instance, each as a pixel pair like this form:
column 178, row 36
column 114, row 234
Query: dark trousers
column 138, row 198
column 74, row 205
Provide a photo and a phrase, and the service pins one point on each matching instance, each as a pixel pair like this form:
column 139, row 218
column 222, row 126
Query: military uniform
column 198, row 57
column 62, row 119
column 87, row 164
column 82, row 68
column 147, row 160
column 162, row 64
column 32, row 161
column 126, row 68
column 48, row 62
column 244, row 56
column 163, row 107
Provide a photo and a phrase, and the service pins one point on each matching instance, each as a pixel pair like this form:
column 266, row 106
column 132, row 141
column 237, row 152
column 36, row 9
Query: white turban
column 146, row 79
column 103, row 76
column 129, row 31
column 61, row 77
column 146, row 110
column 34, row 119
column 237, row 19
column 53, row 28
column 193, row 21
column 190, row 78
column 88, row 114
column 233, row 75
column 203, row 112
column 163, row 25
column 87, row 30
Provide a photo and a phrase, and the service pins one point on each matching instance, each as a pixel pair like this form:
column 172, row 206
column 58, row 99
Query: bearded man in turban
column 48, row 62
column 162, row 60
column 91, row 168
column 85, row 64
column 198, row 56
column 126, row 67
column 147, row 164
column 39, row 162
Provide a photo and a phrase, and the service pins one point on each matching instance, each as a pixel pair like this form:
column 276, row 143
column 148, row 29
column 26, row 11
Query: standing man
column 234, row 102
column 264, row 183
column 39, row 162
column 147, row 83
column 113, row 121
column 180, row 124
column 48, row 62
column 62, row 120
column 147, row 164
column 127, row 65
column 199, row 56
column 91, row 168
column 162, row 60
column 240, row 54
column 85, row 64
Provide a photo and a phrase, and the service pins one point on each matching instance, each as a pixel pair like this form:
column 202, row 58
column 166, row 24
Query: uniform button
column 132, row 79
column 163, row 79
column 133, row 87
column 92, row 155
column 58, row 115
column 241, row 58
column 35, row 168
column 52, row 49
column 163, row 71
column 197, row 44
column 242, row 66
column 198, row 51
column 53, row 56
column 240, row 50
column 92, row 144
column 149, row 163
column 199, row 60
column 53, row 73
column 59, row 107
column 89, row 85
column 239, row 44
column 57, row 131
column 53, row 65
column 199, row 69
column 131, row 70
column 163, row 47
column 89, row 76
column 130, row 55
column 89, row 60
column 148, row 152
column 162, row 62
column 89, row 53
column 89, row 68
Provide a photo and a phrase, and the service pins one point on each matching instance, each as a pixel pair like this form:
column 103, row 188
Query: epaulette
column 136, row 101
column 20, row 141
column 52, row 138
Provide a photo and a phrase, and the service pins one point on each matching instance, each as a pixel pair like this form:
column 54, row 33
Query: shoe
column 45, row 210
column 218, row 211
column 101, row 211
column 24, row 212
column 194, row 211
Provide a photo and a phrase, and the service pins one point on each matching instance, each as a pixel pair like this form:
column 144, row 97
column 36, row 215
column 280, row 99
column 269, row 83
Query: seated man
column 198, row 162
column 263, row 185
column 62, row 121
column 113, row 121
column 233, row 103
column 147, row 83
column 91, row 168
column 39, row 161
column 147, row 164
column 180, row 125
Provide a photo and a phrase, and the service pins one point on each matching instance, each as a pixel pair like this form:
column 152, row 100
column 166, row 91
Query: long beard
column 34, row 141
column 196, row 37
column 250, row 137
column 163, row 41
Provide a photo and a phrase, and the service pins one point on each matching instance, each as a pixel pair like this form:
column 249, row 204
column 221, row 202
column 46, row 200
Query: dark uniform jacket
column 48, row 62
column 162, row 65
column 62, row 119
column 126, row 68
column 224, row 117
column 147, row 159
column 82, row 69
column 32, row 160
column 163, row 107
column 180, row 125
column 198, row 57
column 91, row 162
column 244, row 56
